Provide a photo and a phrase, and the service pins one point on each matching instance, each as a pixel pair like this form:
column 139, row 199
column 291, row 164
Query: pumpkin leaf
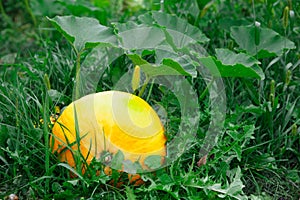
column 137, row 60
column 182, row 64
column 228, row 57
column 132, row 167
column 175, row 60
column 168, row 67
column 117, row 160
column 230, row 64
column 153, row 161
column 134, row 36
column 162, row 70
column 84, row 32
column 181, row 32
column 122, row 27
column 270, row 42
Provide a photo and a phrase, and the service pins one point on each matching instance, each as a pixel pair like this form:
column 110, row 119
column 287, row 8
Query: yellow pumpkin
column 108, row 122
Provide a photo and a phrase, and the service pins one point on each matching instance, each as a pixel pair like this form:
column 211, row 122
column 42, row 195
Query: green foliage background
column 256, row 157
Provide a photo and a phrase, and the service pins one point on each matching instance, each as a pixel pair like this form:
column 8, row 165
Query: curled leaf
column 202, row 161
column 135, row 82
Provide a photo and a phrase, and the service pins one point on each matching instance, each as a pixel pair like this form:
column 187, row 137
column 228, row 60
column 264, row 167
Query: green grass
column 257, row 156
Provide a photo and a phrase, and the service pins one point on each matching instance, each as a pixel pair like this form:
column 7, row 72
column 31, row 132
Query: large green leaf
column 122, row 27
column 153, row 161
column 228, row 57
column 84, row 32
column 117, row 160
column 182, row 65
column 134, row 36
column 168, row 67
column 131, row 167
column 230, row 64
column 182, row 33
column 166, row 56
column 269, row 43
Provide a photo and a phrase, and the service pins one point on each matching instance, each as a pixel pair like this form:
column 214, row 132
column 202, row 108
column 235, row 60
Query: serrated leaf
column 163, row 187
column 271, row 43
column 84, row 32
column 130, row 193
column 230, row 64
column 238, row 150
column 180, row 30
column 165, row 179
column 234, row 190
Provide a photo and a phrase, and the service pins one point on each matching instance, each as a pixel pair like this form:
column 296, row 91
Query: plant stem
column 77, row 81
column 254, row 14
column 161, row 6
column 30, row 12
column 203, row 94
column 5, row 16
column 144, row 86
column 150, row 91
column 46, row 137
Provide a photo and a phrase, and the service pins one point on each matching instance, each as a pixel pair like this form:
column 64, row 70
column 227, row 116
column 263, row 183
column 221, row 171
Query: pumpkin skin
column 108, row 122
